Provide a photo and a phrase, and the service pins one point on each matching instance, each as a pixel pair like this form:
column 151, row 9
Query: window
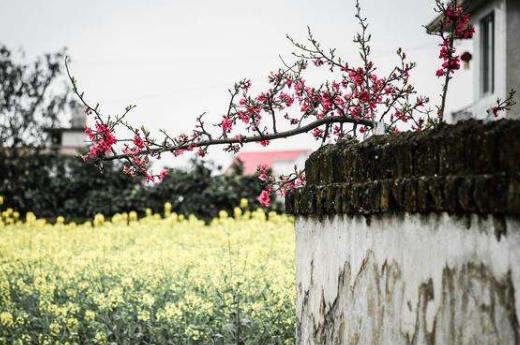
column 487, row 27
column 56, row 138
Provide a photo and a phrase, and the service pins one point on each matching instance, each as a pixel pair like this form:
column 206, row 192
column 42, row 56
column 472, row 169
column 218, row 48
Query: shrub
column 52, row 185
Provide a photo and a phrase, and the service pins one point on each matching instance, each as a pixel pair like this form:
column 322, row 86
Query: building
column 495, row 55
column 280, row 162
column 69, row 140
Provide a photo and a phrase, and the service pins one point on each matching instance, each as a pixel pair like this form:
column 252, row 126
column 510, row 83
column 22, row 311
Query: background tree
column 33, row 96
column 53, row 185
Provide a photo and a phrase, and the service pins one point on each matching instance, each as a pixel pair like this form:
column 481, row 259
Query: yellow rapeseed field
column 161, row 279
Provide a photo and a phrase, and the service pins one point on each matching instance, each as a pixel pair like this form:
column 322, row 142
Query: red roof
column 252, row 160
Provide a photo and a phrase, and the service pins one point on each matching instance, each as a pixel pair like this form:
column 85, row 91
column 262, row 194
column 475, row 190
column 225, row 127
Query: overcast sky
column 176, row 59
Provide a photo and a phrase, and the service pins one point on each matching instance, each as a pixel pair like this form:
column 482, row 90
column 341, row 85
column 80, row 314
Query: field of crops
column 161, row 279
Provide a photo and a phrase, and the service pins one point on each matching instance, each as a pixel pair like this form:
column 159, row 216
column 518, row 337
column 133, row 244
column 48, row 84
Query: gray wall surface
column 407, row 280
column 513, row 51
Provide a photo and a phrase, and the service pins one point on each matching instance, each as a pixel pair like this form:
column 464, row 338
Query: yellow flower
column 55, row 329
column 72, row 323
column 90, row 315
column 101, row 337
column 223, row 214
column 244, row 203
column 143, row 315
column 162, row 269
column 133, row 216
column 167, row 209
column 30, row 217
column 99, row 220
column 1, row 200
column 6, row 319
column 22, row 317
column 148, row 300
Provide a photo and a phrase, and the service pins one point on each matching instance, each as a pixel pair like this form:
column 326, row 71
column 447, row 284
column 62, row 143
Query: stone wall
column 411, row 239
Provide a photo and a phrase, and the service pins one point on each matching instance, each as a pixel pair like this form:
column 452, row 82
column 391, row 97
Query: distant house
column 281, row 162
column 69, row 140
column 496, row 53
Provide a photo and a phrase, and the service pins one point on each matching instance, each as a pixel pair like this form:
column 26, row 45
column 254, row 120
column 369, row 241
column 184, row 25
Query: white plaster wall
column 482, row 103
column 73, row 139
column 407, row 280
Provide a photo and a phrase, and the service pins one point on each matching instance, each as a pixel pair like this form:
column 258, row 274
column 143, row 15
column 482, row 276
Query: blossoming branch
column 356, row 100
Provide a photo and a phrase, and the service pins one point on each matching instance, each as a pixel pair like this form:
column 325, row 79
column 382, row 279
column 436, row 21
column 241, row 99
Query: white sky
column 176, row 59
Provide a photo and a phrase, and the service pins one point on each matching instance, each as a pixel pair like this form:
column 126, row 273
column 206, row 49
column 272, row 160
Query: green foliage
column 199, row 192
column 53, row 185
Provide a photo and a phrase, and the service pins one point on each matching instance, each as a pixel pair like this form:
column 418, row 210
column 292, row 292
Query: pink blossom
column 264, row 198
column 246, row 85
column 263, row 98
column 243, row 116
column 139, row 142
column 103, row 140
column 128, row 171
column 226, row 124
column 263, row 177
column 149, row 177
column 317, row 62
column 163, row 174
column 262, row 170
column 287, row 99
column 89, row 133
column 356, row 76
column 454, row 17
column 300, row 181
column 364, row 96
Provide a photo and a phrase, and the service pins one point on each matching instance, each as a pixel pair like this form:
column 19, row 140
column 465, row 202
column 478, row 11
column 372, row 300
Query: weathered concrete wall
column 411, row 239
column 408, row 280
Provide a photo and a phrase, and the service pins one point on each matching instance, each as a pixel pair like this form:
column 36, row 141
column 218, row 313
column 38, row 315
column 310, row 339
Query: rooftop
column 468, row 5
column 252, row 159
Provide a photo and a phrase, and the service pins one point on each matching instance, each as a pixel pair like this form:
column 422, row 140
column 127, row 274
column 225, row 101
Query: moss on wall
column 470, row 167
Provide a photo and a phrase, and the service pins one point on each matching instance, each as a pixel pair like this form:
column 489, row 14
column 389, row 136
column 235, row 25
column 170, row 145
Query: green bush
column 53, row 185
